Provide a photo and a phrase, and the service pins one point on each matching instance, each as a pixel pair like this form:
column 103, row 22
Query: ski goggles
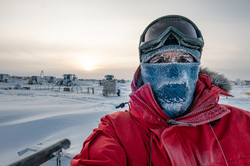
column 161, row 31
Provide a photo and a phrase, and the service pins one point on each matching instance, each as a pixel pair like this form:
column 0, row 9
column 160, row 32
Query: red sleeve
column 101, row 148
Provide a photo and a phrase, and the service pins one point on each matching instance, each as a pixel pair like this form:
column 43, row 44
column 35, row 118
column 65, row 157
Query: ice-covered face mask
column 173, row 85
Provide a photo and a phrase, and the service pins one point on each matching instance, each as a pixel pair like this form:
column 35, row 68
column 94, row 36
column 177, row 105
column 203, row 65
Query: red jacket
column 210, row 134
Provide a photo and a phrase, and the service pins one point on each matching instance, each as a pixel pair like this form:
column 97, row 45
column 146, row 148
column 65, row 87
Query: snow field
column 34, row 119
column 37, row 118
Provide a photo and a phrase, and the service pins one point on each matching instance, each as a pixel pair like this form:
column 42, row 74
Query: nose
column 173, row 72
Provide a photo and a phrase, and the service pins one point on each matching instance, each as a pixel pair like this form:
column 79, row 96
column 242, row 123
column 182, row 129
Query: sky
column 94, row 38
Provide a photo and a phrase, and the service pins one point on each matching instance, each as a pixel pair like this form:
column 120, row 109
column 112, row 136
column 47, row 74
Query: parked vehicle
column 110, row 86
column 69, row 80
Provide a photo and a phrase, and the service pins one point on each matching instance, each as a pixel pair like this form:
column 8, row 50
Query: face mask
column 173, row 85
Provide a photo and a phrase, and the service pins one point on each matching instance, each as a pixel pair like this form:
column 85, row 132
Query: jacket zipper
column 159, row 117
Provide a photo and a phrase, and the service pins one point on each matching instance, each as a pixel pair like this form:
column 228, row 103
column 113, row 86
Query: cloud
column 56, row 35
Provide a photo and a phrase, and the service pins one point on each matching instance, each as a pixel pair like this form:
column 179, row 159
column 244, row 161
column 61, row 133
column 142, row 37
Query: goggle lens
column 159, row 27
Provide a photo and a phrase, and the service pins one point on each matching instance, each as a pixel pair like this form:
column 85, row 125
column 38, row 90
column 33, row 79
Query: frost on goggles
column 181, row 58
column 164, row 30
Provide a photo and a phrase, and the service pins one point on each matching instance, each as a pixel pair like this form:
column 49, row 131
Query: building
column 4, row 77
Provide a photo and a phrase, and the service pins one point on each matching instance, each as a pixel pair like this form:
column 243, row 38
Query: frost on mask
column 173, row 85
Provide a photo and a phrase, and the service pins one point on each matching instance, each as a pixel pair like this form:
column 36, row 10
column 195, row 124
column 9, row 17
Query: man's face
column 172, row 57
column 172, row 76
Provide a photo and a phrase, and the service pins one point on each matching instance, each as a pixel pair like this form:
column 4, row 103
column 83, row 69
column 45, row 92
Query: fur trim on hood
column 217, row 79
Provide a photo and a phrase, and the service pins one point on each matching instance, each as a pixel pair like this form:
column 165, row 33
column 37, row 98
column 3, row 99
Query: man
column 174, row 116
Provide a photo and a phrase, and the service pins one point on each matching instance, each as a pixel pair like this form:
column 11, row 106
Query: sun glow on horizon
column 88, row 64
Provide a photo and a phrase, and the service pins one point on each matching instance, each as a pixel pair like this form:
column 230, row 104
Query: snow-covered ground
column 36, row 118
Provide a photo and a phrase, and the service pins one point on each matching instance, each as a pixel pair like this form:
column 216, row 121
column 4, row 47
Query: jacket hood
column 204, row 109
column 217, row 79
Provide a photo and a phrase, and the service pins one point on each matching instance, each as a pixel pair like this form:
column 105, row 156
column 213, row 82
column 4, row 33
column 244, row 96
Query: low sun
column 88, row 64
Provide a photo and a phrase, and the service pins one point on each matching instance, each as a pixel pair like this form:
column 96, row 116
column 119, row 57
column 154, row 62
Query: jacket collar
column 205, row 107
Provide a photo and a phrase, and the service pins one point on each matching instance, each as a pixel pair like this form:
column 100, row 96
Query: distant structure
column 17, row 86
column 50, row 79
column 110, row 86
column 247, row 82
column 18, row 77
column 69, row 80
column 42, row 74
column 4, row 77
column 35, row 80
column 242, row 82
column 238, row 82
column 121, row 81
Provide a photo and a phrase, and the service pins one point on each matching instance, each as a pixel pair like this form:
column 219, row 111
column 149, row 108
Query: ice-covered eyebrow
column 184, row 55
column 170, row 58
column 167, row 56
